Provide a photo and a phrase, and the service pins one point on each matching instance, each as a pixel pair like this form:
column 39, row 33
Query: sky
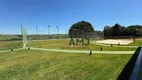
column 64, row 13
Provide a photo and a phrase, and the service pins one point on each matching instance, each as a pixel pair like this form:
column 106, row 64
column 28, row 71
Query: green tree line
column 118, row 30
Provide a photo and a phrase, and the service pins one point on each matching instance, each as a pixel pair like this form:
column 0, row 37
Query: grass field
column 45, row 65
column 137, row 43
column 41, row 65
column 64, row 44
column 53, row 44
column 5, row 45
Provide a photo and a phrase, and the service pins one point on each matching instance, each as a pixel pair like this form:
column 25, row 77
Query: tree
column 116, row 29
column 81, row 29
column 108, row 31
column 135, row 31
column 122, row 31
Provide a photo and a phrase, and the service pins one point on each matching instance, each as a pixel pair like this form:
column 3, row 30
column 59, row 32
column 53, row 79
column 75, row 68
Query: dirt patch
column 113, row 41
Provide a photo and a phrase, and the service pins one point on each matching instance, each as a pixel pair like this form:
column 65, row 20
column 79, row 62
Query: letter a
column 71, row 42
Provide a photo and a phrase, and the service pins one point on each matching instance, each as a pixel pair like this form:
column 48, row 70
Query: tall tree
column 107, row 31
column 135, row 29
column 81, row 30
column 116, row 29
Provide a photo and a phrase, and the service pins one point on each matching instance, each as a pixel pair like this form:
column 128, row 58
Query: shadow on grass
column 126, row 72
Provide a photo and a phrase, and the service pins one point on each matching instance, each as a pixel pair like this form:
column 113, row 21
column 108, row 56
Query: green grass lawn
column 136, row 43
column 42, row 65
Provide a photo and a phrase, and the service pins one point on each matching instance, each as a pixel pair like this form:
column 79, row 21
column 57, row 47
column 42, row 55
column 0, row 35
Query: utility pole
column 48, row 29
column 44, row 35
column 22, row 35
column 21, row 30
column 37, row 34
column 32, row 37
column 58, row 34
column 65, row 32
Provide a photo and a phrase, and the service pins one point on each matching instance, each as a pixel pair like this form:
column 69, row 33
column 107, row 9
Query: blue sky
column 64, row 13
